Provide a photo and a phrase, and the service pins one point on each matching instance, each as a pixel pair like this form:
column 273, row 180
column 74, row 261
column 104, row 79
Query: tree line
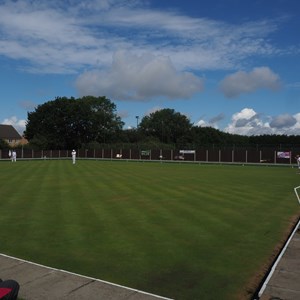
column 92, row 122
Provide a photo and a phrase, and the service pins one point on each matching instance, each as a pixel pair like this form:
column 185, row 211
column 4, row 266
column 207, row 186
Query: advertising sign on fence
column 145, row 152
column 187, row 151
column 281, row 154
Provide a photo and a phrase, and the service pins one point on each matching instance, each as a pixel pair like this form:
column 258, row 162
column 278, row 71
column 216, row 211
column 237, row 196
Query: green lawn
column 185, row 231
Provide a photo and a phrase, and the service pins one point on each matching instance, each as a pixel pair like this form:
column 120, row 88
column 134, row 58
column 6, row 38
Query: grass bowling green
column 179, row 230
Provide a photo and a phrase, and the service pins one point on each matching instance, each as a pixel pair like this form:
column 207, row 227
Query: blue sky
column 230, row 64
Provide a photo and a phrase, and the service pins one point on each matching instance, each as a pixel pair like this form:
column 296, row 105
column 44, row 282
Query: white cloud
column 202, row 123
column 212, row 122
column 67, row 36
column 141, row 78
column 294, row 129
column 241, row 82
column 285, row 124
column 153, row 110
column 248, row 122
column 19, row 125
column 283, row 121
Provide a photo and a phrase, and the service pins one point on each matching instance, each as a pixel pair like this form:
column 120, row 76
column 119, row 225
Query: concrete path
column 283, row 282
column 38, row 282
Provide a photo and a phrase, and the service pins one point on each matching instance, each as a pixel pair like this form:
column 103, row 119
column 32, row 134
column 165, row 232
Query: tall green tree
column 204, row 136
column 66, row 123
column 167, row 125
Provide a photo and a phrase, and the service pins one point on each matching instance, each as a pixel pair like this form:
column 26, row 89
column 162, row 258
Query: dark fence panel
column 213, row 155
column 167, row 154
column 253, row 156
column 240, row 156
column 201, row 155
column 226, row 156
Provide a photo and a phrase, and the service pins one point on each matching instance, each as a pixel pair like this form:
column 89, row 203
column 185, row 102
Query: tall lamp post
column 137, row 127
column 162, row 131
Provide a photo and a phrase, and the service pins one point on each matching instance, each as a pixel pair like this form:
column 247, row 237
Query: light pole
column 162, row 131
column 137, row 128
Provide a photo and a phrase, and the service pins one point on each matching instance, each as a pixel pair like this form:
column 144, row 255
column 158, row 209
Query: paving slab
column 284, row 281
column 39, row 282
column 281, row 294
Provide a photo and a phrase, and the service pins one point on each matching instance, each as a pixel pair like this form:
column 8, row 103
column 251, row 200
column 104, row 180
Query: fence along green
column 271, row 156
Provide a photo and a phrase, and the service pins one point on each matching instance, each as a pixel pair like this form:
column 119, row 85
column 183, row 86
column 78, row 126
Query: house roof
column 9, row 132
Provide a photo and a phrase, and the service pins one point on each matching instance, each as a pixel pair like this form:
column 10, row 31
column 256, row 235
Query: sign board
column 145, row 152
column 187, row 151
column 285, row 154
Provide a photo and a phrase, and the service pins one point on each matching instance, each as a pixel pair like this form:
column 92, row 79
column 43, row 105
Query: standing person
column 74, row 156
column 298, row 161
column 9, row 289
column 14, row 156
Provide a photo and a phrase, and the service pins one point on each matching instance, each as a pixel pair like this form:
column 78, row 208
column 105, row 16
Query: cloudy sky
column 230, row 64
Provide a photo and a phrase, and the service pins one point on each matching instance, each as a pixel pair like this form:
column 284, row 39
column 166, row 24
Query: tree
column 66, row 123
column 166, row 125
column 204, row 136
column 275, row 140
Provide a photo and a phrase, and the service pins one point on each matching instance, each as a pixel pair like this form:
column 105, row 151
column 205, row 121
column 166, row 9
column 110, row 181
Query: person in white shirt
column 74, row 157
column 14, row 156
column 298, row 161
